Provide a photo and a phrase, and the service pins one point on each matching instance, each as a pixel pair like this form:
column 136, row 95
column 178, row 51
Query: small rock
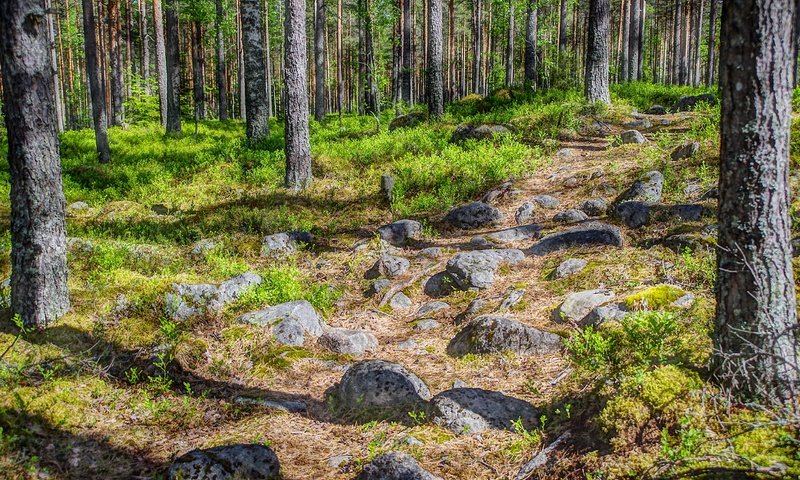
column 692, row 189
column 511, row 299
column 543, row 459
column 646, row 189
column 594, row 207
column 656, row 110
column 633, row 136
column 515, row 234
column 686, row 103
column 400, row 301
column 201, row 247
column 497, row 193
column 690, row 212
column 337, row 461
column 597, row 173
column 378, row 286
column 430, row 252
column 473, row 410
column 458, row 383
column 77, row 206
column 467, row 131
column 352, row 342
column 638, row 124
column 577, row 305
column 399, row 233
column 290, row 321
column 245, row 461
column 634, row 214
column 570, row 216
column 524, row 213
column 476, row 269
column 568, row 267
column 187, row 300
column 285, row 243
column 473, row 215
column 426, row 324
column 439, row 285
column 408, row 345
column 412, row 441
column 686, row 150
column 480, row 242
column 572, row 182
column 432, row 307
column 546, row 201
column 388, row 266
column 394, row 466
column 685, row 301
column 495, row 334
column 586, row 235
column 473, row 308
column 605, row 313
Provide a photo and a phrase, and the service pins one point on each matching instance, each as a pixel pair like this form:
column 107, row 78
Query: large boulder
column 686, row 103
column 494, row 334
column 409, row 120
column 469, row 131
column 646, row 189
column 399, row 233
column 240, row 461
column 349, row 342
column 285, row 243
column 473, row 410
column 633, row 136
column 634, row 214
column 586, row 235
column 394, row 466
column 376, row 389
column 476, row 269
column 290, row 321
column 473, row 215
column 187, row 300
column 389, row 266
column 578, row 305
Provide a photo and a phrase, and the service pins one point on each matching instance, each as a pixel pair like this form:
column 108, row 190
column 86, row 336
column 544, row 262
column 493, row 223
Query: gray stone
column 572, row 182
column 376, row 389
column 692, row 189
column 524, row 213
column 289, row 332
column 378, row 286
column 577, row 305
column 401, row 232
column 476, row 269
column 432, row 307
column 690, row 212
column 394, row 466
column 633, row 136
column 686, row 103
column 291, row 321
column 586, row 235
column 473, row 410
column 473, row 308
column 634, row 214
column 594, row 207
column 241, row 461
column 497, row 193
column 77, row 206
column 473, row 215
column 80, row 244
column 351, row 342
column 426, row 324
column 439, row 285
column 409, row 120
column 201, row 247
column 687, row 150
column 409, row 344
column 685, row 301
column 546, row 201
column 480, row 242
column 511, row 299
column 468, row 131
column 400, row 301
column 656, row 110
column 290, row 406
column 388, row 266
column 458, row 383
column 570, row 216
column 430, row 252
column 646, row 189
column 339, row 460
column 605, row 313
column 515, row 234
column 569, row 267
column 187, row 300
column 495, row 334
column 412, row 441
column 285, row 243
column 638, row 124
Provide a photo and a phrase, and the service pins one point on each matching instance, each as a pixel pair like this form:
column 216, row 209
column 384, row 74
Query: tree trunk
column 477, row 47
column 97, row 91
column 712, row 45
column 117, row 67
column 531, row 32
column 298, row 147
column 39, row 291
column 677, row 35
column 596, row 75
column 633, row 41
column 435, row 83
column 562, row 26
column 755, row 339
column 51, row 40
column 371, row 91
column 255, row 87
column 222, row 82
column 161, row 60
column 510, row 46
column 339, row 61
column 406, row 71
column 451, row 50
column 144, row 46
column 173, row 69
column 198, row 71
column 319, row 60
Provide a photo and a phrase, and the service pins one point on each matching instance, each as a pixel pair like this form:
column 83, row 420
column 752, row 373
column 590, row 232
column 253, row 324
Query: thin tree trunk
column 51, row 40
column 161, row 60
column 198, row 71
column 633, row 41
column 39, row 292
column 676, row 43
column 596, row 75
column 755, row 338
column 531, row 32
column 371, row 91
column 173, row 69
column 319, row 60
column 117, row 67
column 222, row 84
column 477, row 47
column 435, row 85
column 562, row 26
column 451, row 50
column 510, row 46
column 144, row 46
column 268, row 59
column 96, row 88
column 255, row 89
column 712, row 45
column 298, row 147
column 339, row 61
column 408, row 66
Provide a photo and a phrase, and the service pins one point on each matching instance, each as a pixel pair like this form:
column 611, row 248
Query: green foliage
column 644, row 95
column 284, row 284
column 655, row 297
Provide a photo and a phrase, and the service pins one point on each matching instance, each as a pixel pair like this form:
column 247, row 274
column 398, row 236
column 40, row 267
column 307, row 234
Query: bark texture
column 756, row 320
column 255, row 86
column 510, row 46
column 117, row 66
column 371, row 102
column 298, row 147
column 596, row 81
column 97, row 91
column 711, row 69
column 161, row 59
column 222, row 81
column 531, row 32
column 173, row 69
column 198, row 71
column 633, row 41
column 477, row 46
column 435, row 57
column 38, row 229
column 319, row 61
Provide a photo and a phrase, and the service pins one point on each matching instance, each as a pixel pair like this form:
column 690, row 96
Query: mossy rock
column 655, row 297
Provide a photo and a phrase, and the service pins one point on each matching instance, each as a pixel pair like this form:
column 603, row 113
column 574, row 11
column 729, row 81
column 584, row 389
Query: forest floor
column 118, row 389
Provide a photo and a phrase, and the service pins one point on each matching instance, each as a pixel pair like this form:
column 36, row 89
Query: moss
column 664, row 385
column 622, row 418
column 656, row 297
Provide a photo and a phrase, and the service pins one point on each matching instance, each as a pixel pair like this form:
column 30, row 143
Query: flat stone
column 570, row 216
column 634, row 214
column 524, row 213
column 542, row 460
column 546, row 201
column 401, row 232
column 432, row 307
column 409, row 344
column 647, row 188
column 290, row 321
column 515, row 234
column 378, row 286
column 633, row 136
column 426, row 324
column 468, row 131
column 345, row 341
column 187, row 300
column 400, row 301
column 244, row 461
column 511, row 299
column 439, row 285
column 473, row 410
column 389, row 266
column 430, row 252
column 638, row 124
column 394, row 466
column 585, row 235
column 605, row 313
column 338, row 460
column 577, row 305
column 691, row 212
column 476, row 269
column 473, row 215
column 480, row 242
column 285, row 243
column 495, row 334
column 568, row 267
column 594, row 207
column 201, row 247
column 409, row 120
column 687, row 150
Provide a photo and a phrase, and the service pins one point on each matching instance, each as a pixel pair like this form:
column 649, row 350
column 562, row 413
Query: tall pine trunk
column 477, row 46
column 596, row 75
column 117, row 67
column 531, row 32
column 161, row 59
column 371, row 102
column 712, row 45
column 407, row 65
column 676, row 43
column 97, row 91
column 39, row 291
column 510, row 46
column 633, row 41
column 434, row 67
column 173, row 69
column 222, row 81
column 624, row 62
column 562, row 26
column 755, row 338
column 298, row 146
column 198, row 71
column 255, row 86
column 319, row 60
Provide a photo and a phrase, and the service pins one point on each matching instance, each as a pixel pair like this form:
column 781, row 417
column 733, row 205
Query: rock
column 480, row 242
column 337, row 461
column 376, row 389
column 409, row 120
column 80, row 244
column 412, row 441
column 796, row 247
column 473, row 410
column 572, row 182
column 290, row 321
column 634, row 214
column 656, row 110
column 495, row 334
column 524, row 213
column 605, row 313
column 570, row 216
column 511, row 299
column 285, row 243
column 685, row 301
column 426, row 324
column 692, row 189
column 399, row 233
column 187, row 300
column 633, row 136
column 468, row 131
column 473, row 308
column 407, row 345
column 387, row 187
column 638, row 124
column 597, row 173
column 378, row 286
column 352, row 342
column 388, row 266
column 496, row 193
column 77, row 206
column 577, row 305
column 394, row 466
column 476, row 269
column 241, row 461
column 655, row 297
column 568, row 267
column 594, row 207
column 543, row 459
column 160, row 209
column 473, row 215
column 690, row 212
column 515, row 234
column 682, row 242
column 400, row 301
column 711, row 194
column 687, row 150
column 430, row 252
column 201, row 247
column 546, row 201
column 646, row 189
column 586, row 235
column 686, row 103
column 432, row 307
column 439, row 285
